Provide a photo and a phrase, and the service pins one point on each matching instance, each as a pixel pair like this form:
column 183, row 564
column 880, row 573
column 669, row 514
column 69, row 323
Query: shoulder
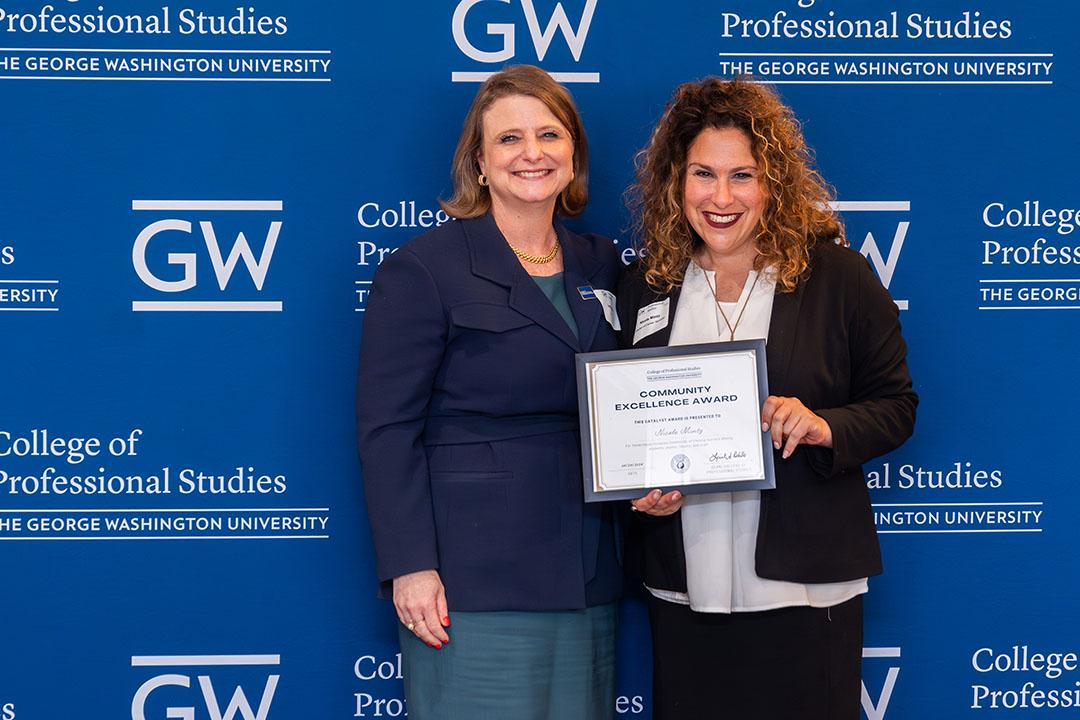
column 435, row 251
column 836, row 266
column 827, row 255
column 845, row 275
column 634, row 292
column 436, row 242
column 632, row 281
column 600, row 247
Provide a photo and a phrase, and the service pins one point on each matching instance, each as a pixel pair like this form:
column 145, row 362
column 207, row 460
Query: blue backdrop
column 196, row 198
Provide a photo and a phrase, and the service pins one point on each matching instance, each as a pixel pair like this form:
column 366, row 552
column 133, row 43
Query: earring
column 482, row 179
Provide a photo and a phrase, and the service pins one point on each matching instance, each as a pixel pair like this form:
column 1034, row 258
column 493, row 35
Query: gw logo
column 223, row 267
column 885, row 267
column 876, row 710
column 541, row 39
column 207, row 697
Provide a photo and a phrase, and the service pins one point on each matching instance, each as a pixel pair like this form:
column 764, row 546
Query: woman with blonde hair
column 756, row 597
column 467, row 418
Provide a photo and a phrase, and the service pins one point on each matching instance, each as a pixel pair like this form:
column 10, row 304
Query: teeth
column 531, row 173
column 721, row 218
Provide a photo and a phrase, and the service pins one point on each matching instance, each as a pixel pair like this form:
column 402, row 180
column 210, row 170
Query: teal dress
column 511, row 665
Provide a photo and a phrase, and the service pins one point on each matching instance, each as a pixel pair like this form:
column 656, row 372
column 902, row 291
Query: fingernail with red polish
column 446, row 621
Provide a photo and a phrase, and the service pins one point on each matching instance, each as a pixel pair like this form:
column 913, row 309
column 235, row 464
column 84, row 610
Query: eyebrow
column 543, row 128
column 734, row 169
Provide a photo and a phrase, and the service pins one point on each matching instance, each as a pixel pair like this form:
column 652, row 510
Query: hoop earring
column 482, row 179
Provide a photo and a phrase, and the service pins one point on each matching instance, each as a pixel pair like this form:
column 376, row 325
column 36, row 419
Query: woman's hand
column 659, row 505
column 420, row 601
column 792, row 423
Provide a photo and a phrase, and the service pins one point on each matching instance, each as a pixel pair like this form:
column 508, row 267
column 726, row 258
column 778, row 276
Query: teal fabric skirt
column 515, row 666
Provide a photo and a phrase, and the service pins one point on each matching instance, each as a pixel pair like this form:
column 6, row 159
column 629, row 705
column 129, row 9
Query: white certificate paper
column 687, row 418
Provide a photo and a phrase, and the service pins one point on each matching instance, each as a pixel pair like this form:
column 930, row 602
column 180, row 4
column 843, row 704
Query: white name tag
column 607, row 301
column 651, row 318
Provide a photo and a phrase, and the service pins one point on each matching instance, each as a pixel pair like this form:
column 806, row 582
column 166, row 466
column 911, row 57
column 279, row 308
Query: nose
column 722, row 193
column 533, row 150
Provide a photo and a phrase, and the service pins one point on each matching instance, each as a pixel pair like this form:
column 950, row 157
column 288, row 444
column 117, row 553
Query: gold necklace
column 537, row 259
column 731, row 328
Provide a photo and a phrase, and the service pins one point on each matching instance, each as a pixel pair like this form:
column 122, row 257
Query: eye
column 702, row 173
column 507, row 138
column 743, row 175
column 550, row 134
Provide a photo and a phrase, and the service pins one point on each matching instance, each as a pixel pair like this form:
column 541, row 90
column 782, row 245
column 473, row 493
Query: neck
column 528, row 229
column 731, row 271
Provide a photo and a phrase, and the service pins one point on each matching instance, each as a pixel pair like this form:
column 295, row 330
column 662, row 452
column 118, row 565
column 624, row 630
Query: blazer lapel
column 781, row 342
column 491, row 258
column 579, row 269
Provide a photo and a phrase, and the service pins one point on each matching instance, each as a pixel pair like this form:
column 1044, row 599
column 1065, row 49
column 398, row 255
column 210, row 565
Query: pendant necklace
column 731, row 328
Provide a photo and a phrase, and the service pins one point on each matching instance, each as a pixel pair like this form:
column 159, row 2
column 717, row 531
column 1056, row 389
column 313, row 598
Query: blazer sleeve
column 881, row 414
column 404, row 339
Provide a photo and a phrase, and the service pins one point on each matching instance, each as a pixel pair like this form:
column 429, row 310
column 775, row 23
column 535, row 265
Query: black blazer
column 467, row 420
column 835, row 344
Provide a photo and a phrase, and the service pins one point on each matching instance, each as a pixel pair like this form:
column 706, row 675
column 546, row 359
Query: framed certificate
column 686, row 417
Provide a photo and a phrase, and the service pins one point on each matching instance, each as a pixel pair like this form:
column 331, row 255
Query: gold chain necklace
column 537, row 259
column 731, row 328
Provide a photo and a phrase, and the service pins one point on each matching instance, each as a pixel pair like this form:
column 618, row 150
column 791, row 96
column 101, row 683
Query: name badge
column 607, row 301
column 651, row 318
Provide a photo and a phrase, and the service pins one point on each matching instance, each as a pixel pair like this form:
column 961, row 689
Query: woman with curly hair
column 756, row 597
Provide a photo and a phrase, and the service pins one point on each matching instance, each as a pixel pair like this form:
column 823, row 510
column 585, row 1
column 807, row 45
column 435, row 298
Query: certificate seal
column 680, row 463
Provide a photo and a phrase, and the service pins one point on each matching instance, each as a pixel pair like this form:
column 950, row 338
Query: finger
column 646, row 502
column 414, row 609
column 796, row 416
column 778, row 419
column 440, row 605
column 402, row 613
column 771, row 403
column 796, row 435
column 670, row 510
column 420, row 629
column 668, row 503
column 432, row 622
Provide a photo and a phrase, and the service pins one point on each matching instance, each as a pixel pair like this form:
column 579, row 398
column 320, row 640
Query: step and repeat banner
column 197, row 195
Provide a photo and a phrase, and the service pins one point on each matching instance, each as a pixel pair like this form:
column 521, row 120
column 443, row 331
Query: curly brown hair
column 470, row 198
column 797, row 213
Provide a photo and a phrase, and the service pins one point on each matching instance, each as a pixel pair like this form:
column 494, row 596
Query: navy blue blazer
column 467, row 421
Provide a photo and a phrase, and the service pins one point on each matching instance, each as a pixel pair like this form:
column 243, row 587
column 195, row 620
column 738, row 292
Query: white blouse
column 720, row 529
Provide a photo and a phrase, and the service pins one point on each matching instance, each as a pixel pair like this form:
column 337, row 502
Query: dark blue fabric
column 467, row 416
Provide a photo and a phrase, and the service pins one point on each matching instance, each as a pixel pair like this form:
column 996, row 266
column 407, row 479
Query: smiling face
column 722, row 194
column 526, row 154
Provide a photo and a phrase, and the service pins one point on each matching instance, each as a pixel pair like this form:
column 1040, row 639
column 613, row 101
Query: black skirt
column 796, row 662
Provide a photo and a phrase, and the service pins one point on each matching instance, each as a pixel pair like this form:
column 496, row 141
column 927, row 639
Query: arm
column 405, row 332
column 404, row 339
column 881, row 413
